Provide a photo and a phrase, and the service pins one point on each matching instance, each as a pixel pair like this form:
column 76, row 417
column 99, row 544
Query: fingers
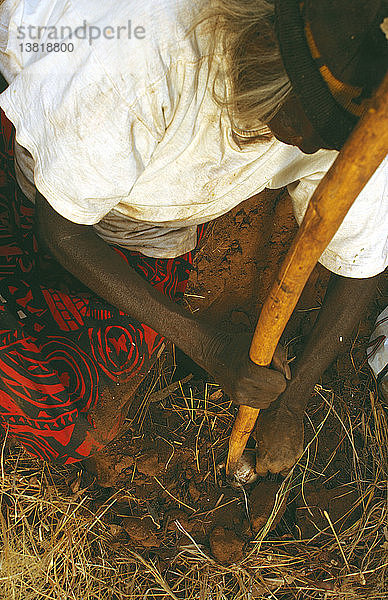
column 276, row 459
column 267, row 465
column 285, row 472
column 277, row 381
column 277, row 449
column 260, row 392
column 262, row 467
column 254, row 398
column 287, row 371
column 258, row 402
column 280, row 363
column 266, row 379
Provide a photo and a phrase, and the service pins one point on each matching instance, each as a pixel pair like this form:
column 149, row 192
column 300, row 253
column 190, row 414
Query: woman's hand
column 279, row 430
column 279, row 439
column 226, row 357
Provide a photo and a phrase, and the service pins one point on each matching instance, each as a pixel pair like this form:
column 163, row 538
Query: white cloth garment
column 123, row 133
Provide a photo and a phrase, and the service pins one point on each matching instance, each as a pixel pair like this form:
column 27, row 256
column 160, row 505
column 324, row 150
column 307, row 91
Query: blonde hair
column 253, row 77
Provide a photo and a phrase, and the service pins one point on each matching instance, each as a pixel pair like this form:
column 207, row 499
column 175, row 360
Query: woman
column 125, row 146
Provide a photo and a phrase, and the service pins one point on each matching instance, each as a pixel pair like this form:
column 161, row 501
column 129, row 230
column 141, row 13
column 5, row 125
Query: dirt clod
column 124, row 463
column 226, row 547
column 149, row 464
column 141, row 531
column 261, row 503
column 181, row 517
column 194, row 491
column 115, row 530
column 340, row 503
column 102, row 466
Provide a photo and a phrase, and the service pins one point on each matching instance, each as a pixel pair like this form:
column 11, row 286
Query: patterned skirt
column 63, row 350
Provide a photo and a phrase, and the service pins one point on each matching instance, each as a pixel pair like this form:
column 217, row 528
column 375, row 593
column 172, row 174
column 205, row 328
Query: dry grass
column 57, row 542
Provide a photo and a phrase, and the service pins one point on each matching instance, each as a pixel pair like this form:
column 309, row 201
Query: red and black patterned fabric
column 60, row 345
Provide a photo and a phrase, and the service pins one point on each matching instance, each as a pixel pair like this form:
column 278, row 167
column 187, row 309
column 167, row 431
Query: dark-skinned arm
column 279, row 430
column 89, row 258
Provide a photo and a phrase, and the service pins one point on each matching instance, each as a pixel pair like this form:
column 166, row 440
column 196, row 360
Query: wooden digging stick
column 359, row 158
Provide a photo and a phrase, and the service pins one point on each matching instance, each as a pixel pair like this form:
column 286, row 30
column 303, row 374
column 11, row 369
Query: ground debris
column 141, row 531
column 262, row 502
column 150, row 464
column 169, row 389
column 340, row 503
column 226, row 546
